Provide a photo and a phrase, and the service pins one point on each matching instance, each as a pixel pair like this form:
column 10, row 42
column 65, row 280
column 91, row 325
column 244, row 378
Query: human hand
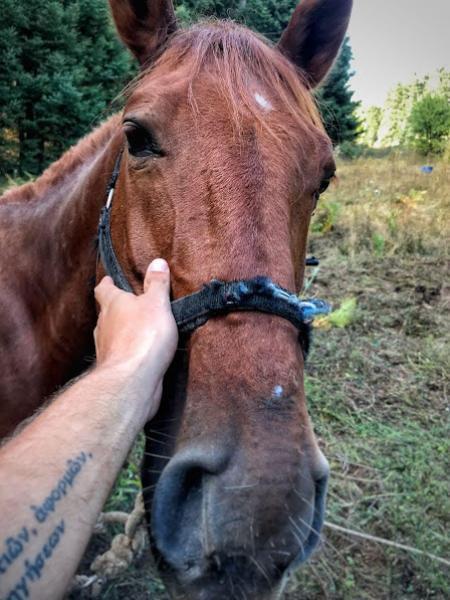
column 137, row 332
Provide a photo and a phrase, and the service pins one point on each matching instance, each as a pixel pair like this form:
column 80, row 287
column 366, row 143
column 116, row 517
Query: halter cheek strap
column 259, row 294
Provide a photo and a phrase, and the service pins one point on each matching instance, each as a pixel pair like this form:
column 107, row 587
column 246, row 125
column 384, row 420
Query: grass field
column 377, row 384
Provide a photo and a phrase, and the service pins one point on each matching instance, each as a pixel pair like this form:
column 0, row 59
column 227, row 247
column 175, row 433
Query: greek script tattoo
column 33, row 568
column 14, row 546
column 19, row 547
column 74, row 466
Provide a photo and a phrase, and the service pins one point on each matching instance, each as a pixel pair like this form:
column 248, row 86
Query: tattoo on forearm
column 74, row 466
column 34, row 567
column 16, row 545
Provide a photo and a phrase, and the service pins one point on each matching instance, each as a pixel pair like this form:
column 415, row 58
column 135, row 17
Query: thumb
column 157, row 278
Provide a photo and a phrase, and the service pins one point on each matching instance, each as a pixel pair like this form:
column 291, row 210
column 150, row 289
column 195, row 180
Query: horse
column 223, row 158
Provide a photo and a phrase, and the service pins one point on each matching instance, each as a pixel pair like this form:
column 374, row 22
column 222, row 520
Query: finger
column 157, row 278
column 105, row 291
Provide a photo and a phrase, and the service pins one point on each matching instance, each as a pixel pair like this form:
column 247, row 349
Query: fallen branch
column 378, row 540
column 116, row 516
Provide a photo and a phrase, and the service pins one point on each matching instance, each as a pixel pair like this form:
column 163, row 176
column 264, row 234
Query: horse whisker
column 240, row 487
column 302, row 497
column 260, row 569
column 299, row 531
column 300, row 543
column 149, row 487
column 157, row 432
column 149, row 437
column 157, row 455
column 322, row 539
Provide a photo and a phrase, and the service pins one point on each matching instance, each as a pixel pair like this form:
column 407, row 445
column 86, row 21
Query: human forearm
column 57, row 474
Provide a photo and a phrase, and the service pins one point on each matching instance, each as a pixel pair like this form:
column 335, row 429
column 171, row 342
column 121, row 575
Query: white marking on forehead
column 277, row 391
column 263, row 102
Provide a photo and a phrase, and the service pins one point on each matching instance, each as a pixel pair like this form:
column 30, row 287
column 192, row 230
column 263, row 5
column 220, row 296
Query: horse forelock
column 239, row 59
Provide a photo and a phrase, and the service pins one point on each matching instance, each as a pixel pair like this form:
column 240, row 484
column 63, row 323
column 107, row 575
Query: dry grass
column 377, row 388
column 388, row 207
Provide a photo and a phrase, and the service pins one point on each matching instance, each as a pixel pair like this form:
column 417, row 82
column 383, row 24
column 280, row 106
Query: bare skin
column 59, row 470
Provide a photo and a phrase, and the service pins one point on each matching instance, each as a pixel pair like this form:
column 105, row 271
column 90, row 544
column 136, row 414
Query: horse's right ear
column 144, row 25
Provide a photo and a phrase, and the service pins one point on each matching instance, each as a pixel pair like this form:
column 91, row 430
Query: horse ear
column 144, row 25
column 314, row 36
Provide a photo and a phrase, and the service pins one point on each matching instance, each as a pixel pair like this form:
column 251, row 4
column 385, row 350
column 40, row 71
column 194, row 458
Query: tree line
column 415, row 115
column 61, row 65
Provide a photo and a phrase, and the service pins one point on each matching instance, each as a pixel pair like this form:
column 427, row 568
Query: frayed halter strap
column 217, row 297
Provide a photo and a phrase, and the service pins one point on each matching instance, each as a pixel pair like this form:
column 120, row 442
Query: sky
column 392, row 40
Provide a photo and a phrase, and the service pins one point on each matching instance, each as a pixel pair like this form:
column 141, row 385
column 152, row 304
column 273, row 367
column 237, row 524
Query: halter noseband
column 259, row 294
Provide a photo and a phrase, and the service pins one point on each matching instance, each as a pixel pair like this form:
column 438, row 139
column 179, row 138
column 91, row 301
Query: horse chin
column 215, row 582
column 230, row 578
column 217, row 592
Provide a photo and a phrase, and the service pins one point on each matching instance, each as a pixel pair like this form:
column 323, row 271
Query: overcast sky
column 394, row 39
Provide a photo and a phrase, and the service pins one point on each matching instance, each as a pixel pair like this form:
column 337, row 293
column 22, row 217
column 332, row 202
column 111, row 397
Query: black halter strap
column 216, row 297
column 105, row 246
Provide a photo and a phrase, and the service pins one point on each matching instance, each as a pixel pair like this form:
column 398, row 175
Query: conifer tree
column 269, row 17
column 60, row 65
column 336, row 100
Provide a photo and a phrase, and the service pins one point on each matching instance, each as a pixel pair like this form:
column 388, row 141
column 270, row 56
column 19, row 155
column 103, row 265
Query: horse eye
column 323, row 186
column 141, row 142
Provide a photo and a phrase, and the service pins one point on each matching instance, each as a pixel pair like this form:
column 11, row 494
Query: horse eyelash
column 146, row 145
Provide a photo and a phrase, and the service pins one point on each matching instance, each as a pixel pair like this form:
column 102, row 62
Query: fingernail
column 159, row 264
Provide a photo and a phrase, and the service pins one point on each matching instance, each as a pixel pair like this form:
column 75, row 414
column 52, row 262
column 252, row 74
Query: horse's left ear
column 144, row 25
column 314, row 36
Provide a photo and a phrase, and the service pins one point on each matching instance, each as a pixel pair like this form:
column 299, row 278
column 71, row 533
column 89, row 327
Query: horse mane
column 240, row 58
column 65, row 166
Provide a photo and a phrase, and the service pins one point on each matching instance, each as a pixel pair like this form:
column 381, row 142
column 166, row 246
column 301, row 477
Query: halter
column 259, row 294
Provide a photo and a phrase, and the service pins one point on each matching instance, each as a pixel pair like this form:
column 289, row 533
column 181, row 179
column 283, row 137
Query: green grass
column 377, row 387
column 387, row 439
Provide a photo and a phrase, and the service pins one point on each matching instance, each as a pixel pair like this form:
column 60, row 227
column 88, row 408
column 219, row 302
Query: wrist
column 137, row 388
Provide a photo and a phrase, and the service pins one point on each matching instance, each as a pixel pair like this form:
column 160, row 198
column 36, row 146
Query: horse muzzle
column 219, row 534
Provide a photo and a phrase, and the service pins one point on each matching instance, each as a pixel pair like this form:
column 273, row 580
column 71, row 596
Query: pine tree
column 335, row 100
column 60, row 65
column 269, row 17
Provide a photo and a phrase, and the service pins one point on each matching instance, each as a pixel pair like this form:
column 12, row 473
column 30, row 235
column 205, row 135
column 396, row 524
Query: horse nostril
column 321, row 474
column 178, row 501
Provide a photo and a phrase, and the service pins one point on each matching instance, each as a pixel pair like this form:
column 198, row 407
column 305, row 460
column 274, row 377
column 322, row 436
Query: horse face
column 224, row 156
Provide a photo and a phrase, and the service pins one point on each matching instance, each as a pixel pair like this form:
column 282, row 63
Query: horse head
column 224, row 159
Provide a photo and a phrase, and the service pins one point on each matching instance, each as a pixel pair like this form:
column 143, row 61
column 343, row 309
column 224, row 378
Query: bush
column 430, row 124
column 350, row 150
